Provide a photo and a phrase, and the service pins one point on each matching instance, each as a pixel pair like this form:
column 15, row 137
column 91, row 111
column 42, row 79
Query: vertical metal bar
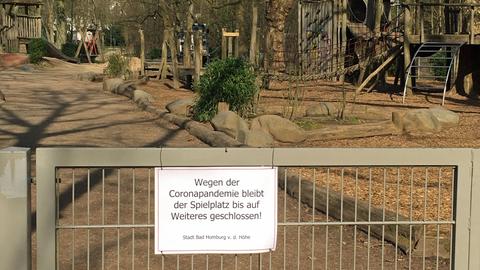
column 313, row 217
column 260, row 261
column 410, row 250
column 383, row 215
column 452, row 217
column 149, row 207
column 192, row 265
column 355, row 219
column 270, row 260
column 474, row 261
column 178, row 262
column 284, row 221
column 425, row 218
column 118, row 219
column 221, row 262
column 57, row 218
column 133, row 218
column 439, row 201
column 73, row 218
column 369, row 214
column 103, row 218
column 341, row 218
column 396, row 218
column 88, row 219
column 206, row 261
column 236, row 261
column 327, row 216
column 298, row 216
column 251, row 262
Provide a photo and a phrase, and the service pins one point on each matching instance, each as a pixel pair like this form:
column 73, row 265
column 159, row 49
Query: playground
column 319, row 74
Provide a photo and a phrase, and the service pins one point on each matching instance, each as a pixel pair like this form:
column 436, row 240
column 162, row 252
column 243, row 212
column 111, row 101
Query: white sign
column 215, row 210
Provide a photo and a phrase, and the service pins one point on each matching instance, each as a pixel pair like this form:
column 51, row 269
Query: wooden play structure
column 89, row 46
column 20, row 21
column 432, row 42
column 169, row 62
column 230, row 43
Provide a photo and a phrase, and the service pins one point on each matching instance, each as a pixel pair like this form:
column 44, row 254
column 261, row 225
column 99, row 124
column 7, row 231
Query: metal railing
column 337, row 209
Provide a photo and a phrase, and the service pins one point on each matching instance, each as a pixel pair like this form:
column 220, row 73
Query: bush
column 231, row 81
column 36, row 50
column 117, row 66
column 69, row 49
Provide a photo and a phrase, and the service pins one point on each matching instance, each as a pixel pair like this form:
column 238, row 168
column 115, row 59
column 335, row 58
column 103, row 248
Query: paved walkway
column 49, row 107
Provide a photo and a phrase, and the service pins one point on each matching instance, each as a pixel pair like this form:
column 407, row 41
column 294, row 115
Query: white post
column 15, row 213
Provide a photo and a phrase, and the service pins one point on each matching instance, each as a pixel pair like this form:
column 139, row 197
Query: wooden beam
column 224, row 44
column 384, row 65
column 142, row 52
column 406, row 47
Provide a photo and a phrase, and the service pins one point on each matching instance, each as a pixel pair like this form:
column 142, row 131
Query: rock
column 322, row 109
column 258, row 138
column 90, row 77
column 427, row 121
column 180, row 107
column 9, row 60
column 111, row 85
column 231, row 124
column 281, row 129
column 420, row 121
column 445, row 117
column 283, row 110
column 142, row 97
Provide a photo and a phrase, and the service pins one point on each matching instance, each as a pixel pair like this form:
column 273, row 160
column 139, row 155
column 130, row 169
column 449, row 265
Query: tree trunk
column 49, row 19
column 61, row 24
column 243, row 38
column 276, row 16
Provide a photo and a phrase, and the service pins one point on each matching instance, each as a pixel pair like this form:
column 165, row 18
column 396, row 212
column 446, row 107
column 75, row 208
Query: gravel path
column 49, row 107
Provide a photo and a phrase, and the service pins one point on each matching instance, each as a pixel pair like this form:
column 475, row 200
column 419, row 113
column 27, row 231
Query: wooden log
column 383, row 128
column 142, row 52
column 224, row 44
column 407, row 240
column 162, row 72
column 384, row 65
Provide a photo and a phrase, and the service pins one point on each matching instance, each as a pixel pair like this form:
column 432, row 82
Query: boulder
column 231, row 124
column 180, row 106
column 445, row 117
column 90, row 77
column 142, row 97
column 322, row 109
column 282, row 130
column 111, row 85
column 258, row 138
column 420, row 121
column 425, row 121
column 281, row 110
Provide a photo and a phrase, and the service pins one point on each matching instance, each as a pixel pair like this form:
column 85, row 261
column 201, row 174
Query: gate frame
column 467, row 161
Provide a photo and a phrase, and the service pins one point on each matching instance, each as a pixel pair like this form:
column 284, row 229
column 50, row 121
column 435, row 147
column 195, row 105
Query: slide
column 52, row 51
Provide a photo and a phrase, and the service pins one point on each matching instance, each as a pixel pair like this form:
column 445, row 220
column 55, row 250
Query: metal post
column 15, row 213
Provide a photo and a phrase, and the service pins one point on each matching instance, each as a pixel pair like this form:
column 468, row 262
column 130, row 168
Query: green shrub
column 117, row 66
column 440, row 62
column 37, row 49
column 69, row 49
column 154, row 53
column 231, row 81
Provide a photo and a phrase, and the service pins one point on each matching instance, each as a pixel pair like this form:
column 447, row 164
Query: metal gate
column 338, row 208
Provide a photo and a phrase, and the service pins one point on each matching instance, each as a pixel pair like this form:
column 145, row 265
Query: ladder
column 433, row 61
